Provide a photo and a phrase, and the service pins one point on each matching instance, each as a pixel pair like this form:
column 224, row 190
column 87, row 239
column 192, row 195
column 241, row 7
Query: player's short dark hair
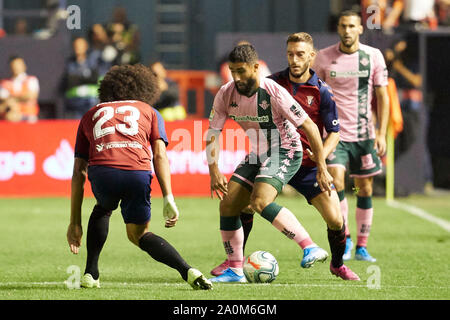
column 300, row 37
column 79, row 37
column 129, row 82
column 349, row 13
column 244, row 53
column 14, row 57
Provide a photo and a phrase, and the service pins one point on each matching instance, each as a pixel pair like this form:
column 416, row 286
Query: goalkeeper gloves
column 170, row 211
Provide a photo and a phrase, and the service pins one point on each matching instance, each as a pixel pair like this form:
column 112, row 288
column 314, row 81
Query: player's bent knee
column 228, row 209
column 258, row 204
column 99, row 212
column 335, row 223
column 248, row 209
column 339, row 184
column 132, row 239
column 365, row 191
column 135, row 232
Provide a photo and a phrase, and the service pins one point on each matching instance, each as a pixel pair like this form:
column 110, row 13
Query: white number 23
column 108, row 113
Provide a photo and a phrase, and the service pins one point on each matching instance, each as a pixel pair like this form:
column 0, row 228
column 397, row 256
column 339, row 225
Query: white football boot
column 88, row 282
column 197, row 280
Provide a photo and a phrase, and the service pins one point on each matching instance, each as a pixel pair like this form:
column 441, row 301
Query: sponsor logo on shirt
column 349, row 74
column 250, row 118
column 297, row 110
column 211, row 115
column 118, row 144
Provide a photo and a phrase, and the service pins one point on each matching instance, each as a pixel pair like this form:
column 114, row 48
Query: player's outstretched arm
column 162, row 171
column 324, row 179
column 75, row 231
column 219, row 184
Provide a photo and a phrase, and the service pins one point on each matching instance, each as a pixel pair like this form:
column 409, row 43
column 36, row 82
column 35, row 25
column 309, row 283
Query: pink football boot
column 217, row 271
column 344, row 272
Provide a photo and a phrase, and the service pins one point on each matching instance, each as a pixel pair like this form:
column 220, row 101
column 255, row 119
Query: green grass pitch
column 413, row 254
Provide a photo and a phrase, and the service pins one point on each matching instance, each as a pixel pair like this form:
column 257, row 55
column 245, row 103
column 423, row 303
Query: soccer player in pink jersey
column 356, row 72
column 318, row 102
column 112, row 149
column 270, row 116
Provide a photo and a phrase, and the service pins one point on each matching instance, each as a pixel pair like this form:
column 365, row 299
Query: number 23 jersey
column 118, row 134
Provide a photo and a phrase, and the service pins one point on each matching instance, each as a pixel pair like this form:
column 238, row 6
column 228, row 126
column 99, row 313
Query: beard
column 248, row 88
column 300, row 73
column 348, row 43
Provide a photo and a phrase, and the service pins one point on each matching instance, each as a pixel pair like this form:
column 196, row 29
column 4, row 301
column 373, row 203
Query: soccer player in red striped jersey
column 112, row 149
column 356, row 72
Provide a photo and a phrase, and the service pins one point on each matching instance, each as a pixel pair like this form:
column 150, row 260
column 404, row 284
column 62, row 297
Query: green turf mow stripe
column 111, row 285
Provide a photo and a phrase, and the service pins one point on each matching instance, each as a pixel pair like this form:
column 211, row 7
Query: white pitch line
column 143, row 285
column 444, row 224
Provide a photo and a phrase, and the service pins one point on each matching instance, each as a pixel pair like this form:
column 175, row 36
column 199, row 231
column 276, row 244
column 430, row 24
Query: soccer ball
column 261, row 267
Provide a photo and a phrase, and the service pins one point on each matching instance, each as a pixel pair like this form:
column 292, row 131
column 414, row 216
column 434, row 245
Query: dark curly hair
column 244, row 53
column 129, row 82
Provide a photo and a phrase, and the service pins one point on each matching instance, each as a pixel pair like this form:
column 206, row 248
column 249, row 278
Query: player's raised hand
column 170, row 211
column 74, row 234
column 219, row 185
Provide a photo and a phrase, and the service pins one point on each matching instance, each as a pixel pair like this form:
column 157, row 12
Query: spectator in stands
column 80, row 81
column 168, row 103
column 124, row 36
column 414, row 15
column 403, row 65
column 101, row 49
column 443, row 12
column 225, row 73
column 21, row 27
column 19, row 94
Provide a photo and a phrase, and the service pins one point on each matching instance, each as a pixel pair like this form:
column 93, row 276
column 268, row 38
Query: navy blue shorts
column 305, row 182
column 129, row 187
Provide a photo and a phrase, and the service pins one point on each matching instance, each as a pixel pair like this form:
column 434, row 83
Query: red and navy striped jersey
column 317, row 100
column 118, row 134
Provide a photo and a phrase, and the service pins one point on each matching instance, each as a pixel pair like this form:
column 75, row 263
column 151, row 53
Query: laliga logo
column 59, row 166
column 21, row 163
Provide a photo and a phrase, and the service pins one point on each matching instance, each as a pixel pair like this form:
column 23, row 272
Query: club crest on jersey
column 364, row 61
column 309, row 99
column 233, row 104
column 264, row 104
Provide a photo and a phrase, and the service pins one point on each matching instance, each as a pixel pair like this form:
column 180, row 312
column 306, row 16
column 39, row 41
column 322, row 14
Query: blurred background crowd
column 50, row 69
